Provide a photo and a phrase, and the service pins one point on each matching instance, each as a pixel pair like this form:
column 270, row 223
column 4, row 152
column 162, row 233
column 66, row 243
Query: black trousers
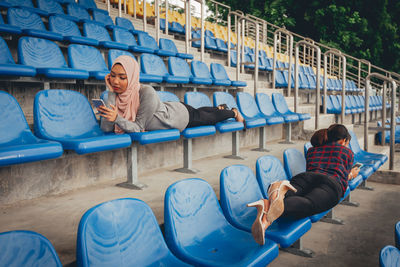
column 207, row 115
column 315, row 193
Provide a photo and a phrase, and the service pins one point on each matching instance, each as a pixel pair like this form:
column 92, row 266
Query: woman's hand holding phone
column 109, row 114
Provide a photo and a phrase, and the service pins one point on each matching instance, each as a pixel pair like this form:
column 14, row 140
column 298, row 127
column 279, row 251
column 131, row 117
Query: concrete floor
column 356, row 243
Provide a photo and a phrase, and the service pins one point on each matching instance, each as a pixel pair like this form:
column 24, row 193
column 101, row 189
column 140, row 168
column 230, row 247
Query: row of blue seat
column 389, row 256
column 20, row 145
column 222, row 235
column 353, row 104
column 387, row 133
column 44, row 57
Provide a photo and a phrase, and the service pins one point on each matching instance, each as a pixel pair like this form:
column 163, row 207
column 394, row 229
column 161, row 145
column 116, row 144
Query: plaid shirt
column 333, row 160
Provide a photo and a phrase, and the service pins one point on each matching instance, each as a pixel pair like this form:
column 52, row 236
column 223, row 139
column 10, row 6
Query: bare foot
column 238, row 116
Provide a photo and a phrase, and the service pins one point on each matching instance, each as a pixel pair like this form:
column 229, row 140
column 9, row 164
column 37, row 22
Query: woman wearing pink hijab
column 134, row 107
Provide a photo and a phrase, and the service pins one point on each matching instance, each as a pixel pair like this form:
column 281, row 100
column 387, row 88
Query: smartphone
column 98, row 102
column 357, row 165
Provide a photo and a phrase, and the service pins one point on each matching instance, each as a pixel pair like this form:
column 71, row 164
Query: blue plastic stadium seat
column 332, row 105
column 8, row 66
column 282, row 107
column 127, row 25
column 192, row 204
column 221, row 45
column 99, row 33
column 145, row 40
column 6, row 28
column 196, row 40
column 220, row 76
column 389, row 256
column 25, row 4
column 47, row 58
column 248, row 108
column 209, row 43
column 397, row 234
column 91, row 5
column 17, row 143
column 69, row 30
column 168, row 48
column 233, row 58
column 370, row 159
column 154, row 70
column 122, row 231
column 30, row 23
column 87, row 58
column 66, row 116
column 238, row 187
column 179, row 69
column 176, row 27
column 280, row 80
column 114, row 53
column 197, row 100
column 200, row 72
column 103, row 18
column 267, row 109
column 53, row 7
column 26, row 248
column 167, row 96
column 125, row 37
column 79, row 12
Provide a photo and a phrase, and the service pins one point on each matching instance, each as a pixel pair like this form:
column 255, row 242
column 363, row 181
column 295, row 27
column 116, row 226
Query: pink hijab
column 128, row 102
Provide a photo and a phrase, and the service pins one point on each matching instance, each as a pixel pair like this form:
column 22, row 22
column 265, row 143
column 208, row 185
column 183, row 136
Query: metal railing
column 277, row 41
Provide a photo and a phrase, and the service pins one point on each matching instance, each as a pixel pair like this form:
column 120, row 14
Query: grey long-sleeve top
column 152, row 114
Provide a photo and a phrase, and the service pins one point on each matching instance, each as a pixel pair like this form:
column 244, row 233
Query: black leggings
column 315, row 193
column 207, row 115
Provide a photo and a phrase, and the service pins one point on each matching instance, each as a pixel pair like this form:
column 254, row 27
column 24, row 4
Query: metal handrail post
column 157, row 22
column 119, row 8
column 383, row 118
column 144, row 16
column 392, row 125
column 125, row 11
column 243, row 24
column 307, row 44
column 134, row 9
column 108, row 6
column 228, row 44
column 289, row 37
column 166, row 17
column 256, row 59
column 202, row 29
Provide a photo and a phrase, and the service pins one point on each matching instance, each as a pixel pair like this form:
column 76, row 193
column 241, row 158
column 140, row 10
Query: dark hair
column 337, row 132
column 319, row 138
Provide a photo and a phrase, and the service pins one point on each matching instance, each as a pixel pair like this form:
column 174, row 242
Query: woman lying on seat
column 134, row 107
column 320, row 188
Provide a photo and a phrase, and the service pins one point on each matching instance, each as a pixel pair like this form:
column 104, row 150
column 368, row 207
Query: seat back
column 279, row 103
column 86, row 58
column 264, row 104
column 178, row 67
column 12, row 114
column 152, row 64
column 238, row 187
column 62, row 114
column 146, row 40
column 88, row 3
column 397, row 234
column 209, row 42
column 40, row 53
column 269, row 169
column 120, row 232
column 25, row 19
column 354, row 145
column 247, row 105
column 96, row 31
column 23, row 3
column 218, row 72
column 114, row 53
column 336, row 103
column 102, row 18
column 77, row 11
column 197, row 99
column 26, row 248
column 220, row 43
column 167, row 44
column 190, row 204
column 63, row 26
column 177, row 26
column 124, row 23
column 196, row 43
column 209, row 33
column 329, row 106
column 224, row 98
column 5, row 53
column 124, row 36
column 200, row 70
column 294, row 162
column 167, row 96
column 233, row 58
column 50, row 6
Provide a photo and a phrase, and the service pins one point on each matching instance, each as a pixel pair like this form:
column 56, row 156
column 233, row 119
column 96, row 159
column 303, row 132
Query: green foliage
column 366, row 29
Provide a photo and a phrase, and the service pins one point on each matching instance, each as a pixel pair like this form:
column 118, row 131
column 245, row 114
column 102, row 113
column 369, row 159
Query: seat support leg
column 262, row 141
column 297, row 249
column 235, row 147
column 347, row 202
column 364, row 186
column 132, row 173
column 352, row 118
column 187, row 157
column 330, row 218
column 288, row 134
